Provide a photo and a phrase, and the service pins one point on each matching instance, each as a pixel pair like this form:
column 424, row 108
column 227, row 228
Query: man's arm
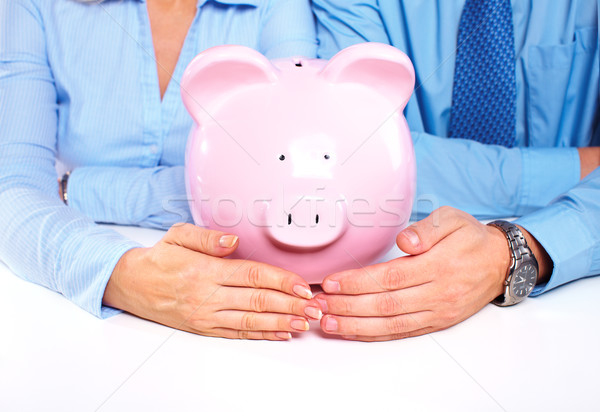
column 484, row 180
column 456, row 266
column 489, row 181
column 569, row 231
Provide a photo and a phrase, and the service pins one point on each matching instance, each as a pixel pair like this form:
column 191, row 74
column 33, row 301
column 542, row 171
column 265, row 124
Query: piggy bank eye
column 282, row 157
column 326, row 157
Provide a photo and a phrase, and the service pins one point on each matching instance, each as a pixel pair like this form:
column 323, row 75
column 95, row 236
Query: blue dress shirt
column 557, row 73
column 79, row 85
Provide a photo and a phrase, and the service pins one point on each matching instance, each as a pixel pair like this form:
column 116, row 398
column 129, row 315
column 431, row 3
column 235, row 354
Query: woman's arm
column 156, row 197
column 43, row 240
column 181, row 281
column 151, row 197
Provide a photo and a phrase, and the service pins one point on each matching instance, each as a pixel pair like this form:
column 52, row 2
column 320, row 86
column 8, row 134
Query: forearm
column 42, row 240
column 569, row 231
column 47, row 243
column 489, row 181
column 152, row 197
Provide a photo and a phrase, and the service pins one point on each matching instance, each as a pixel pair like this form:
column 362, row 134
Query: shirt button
column 154, row 149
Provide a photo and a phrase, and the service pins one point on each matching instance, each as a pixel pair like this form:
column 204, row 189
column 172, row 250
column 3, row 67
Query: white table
column 541, row 355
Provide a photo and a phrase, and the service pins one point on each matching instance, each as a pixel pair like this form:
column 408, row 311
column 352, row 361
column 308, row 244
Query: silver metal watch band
column 518, row 244
column 520, row 253
column 63, row 186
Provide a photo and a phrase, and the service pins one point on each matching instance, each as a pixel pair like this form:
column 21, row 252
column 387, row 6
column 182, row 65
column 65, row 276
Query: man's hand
column 457, row 266
column 183, row 282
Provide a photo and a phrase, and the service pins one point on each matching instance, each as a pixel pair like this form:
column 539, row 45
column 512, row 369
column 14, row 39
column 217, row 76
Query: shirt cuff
column 86, row 261
column 546, row 171
column 107, row 311
column 567, row 239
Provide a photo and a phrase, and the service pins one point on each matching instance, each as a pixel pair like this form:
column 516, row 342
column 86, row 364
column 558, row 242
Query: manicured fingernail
column 331, row 286
column 331, row 324
column 284, row 335
column 228, row 240
column 302, row 292
column 313, row 312
column 300, row 325
column 323, row 303
column 412, row 237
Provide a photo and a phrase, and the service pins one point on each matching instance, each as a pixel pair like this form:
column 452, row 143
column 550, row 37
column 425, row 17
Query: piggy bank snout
column 311, row 222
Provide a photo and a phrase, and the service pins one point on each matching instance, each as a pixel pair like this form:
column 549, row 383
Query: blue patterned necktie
column 484, row 94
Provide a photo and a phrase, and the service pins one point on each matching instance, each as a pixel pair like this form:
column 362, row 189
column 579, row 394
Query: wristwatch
column 523, row 271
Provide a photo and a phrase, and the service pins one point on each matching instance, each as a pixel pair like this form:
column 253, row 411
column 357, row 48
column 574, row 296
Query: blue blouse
column 79, row 85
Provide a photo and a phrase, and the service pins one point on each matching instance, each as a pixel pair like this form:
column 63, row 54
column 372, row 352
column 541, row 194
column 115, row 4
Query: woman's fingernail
column 302, row 292
column 313, row 312
column 331, row 286
column 323, row 303
column 300, row 325
column 284, row 335
column 412, row 237
column 228, row 240
column 331, row 324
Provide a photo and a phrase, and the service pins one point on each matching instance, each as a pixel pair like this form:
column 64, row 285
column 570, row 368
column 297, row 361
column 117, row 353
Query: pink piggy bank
column 310, row 162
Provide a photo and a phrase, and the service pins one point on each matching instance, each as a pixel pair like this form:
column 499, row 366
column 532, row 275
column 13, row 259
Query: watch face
column 524, row 280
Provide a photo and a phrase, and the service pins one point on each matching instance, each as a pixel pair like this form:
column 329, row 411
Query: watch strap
column 63, row 187
column 520, row 253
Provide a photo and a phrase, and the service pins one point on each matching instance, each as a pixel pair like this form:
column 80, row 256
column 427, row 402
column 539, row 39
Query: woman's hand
column 183, row 282
column 458, row 265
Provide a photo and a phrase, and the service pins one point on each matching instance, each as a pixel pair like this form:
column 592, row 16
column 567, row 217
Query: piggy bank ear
column 220, row 71
column 379, row 66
